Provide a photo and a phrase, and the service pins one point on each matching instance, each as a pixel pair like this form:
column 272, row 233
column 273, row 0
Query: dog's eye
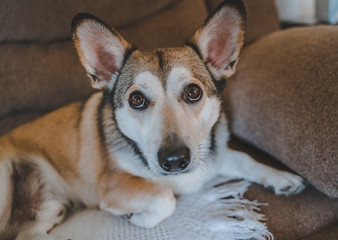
column 193, row 93
column 138, row 101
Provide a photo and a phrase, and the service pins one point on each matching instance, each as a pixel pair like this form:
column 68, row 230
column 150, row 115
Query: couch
column 281, row 104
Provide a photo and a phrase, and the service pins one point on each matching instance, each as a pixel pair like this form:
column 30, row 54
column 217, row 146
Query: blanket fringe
column 219, row 212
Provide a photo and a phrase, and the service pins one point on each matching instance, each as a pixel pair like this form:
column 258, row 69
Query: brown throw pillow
column 284, row 100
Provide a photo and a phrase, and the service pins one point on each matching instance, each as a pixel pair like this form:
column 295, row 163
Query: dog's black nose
column 174, row 160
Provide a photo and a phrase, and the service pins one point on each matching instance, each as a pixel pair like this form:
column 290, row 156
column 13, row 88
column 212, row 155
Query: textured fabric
column 169, row 28
column 262, row 17
column 49, row 20
column 40, row 77
column 218, row 213
column 284, row 100
column 293, row 217
column 327, row 234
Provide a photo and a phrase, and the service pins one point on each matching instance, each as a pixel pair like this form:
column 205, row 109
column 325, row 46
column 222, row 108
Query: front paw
column 284, row 183
column 155, row 211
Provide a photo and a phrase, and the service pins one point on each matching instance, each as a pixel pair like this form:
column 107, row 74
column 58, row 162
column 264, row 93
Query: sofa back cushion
column 48, row 20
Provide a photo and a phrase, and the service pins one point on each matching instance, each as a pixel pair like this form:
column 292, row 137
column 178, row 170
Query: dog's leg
column 50, row 214
column 149, row 203
column 240, row 165
column 35, row 202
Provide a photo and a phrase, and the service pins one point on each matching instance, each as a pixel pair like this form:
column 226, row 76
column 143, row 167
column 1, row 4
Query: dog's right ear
column 101, row 49
column 221, row 38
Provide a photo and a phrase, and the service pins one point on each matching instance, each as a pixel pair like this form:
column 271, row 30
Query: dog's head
column 166, row 102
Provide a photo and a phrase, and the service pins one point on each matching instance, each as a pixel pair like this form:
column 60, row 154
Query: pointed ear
column 101, row 49
column 221, row 38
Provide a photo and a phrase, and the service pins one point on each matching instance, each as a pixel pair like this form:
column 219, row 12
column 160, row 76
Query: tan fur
column 36, row 138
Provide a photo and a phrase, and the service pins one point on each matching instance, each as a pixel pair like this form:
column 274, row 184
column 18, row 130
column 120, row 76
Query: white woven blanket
column 218, row 212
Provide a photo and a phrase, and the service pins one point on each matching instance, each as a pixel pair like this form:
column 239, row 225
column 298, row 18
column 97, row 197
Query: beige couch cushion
column 284, row 100
column 170, row 28
column 326, row 234
column 294, row 217
column 291, row 217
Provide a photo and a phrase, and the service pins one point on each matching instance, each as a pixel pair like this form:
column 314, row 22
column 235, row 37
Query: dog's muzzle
column 174, row 160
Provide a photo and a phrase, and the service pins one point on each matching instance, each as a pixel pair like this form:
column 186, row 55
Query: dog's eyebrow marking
column 177, row 79
column 150, row 84
column 145, row 79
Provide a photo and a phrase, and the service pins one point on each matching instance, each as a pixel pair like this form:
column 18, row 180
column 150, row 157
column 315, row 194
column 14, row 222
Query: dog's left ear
column 101, row 49
column 221, row 38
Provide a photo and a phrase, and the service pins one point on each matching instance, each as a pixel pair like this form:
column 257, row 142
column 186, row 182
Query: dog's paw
column 155, row 211
column 284, row 183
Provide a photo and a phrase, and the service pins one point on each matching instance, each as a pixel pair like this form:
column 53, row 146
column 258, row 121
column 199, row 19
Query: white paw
column 51, row 213
column 155, row 211
column 284, row 183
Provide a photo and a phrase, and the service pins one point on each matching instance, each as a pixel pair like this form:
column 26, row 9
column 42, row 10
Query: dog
column 155, row 130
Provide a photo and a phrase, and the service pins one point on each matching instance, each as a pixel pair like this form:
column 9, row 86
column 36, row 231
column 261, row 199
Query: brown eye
column 137, row 100
column 193, row 93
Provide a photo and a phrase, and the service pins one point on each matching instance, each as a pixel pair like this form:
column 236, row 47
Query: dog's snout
column 174, row 160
